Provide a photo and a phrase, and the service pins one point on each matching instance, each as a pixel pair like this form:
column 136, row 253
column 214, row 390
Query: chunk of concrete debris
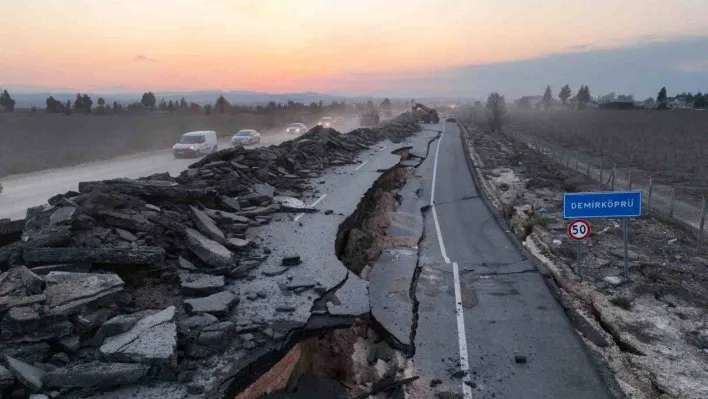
column 132, row 256
column 198, row 322
column 225, row 217
column 115, row 326
column 96, row 374
column 290, row 204
column 6, row 377
column 201, row 284
column 9, row 302
column 92, row 319
column 206, row 225
column 273, row 271
column 62, row 267
column 28, row 353
column 136, row 222
column 68, row 292
column 186, row 265
column 217, row 304
column 258, row 211
column 613, row 280
column 63, row 215
column 28, row 375
column 210, row 251
column 126, row 235
column 237, row 243
column 69, row 343
column 38, row 396
column 300, row 282
column 264, row 189
column 291, row 260
column 49, row 236
column 231, row 203
column 20, row 281
column 152, row 340
column 26, row 324
column 152, row 207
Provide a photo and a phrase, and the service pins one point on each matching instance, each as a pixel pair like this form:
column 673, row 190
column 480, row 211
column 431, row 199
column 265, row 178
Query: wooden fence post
column 651, row 187
column 702, row 222
column 671, row 201
column 577, row 159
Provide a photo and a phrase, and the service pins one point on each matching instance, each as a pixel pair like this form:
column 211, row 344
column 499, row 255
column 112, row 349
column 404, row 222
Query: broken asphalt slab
column 209, row 251
column 153, row 339
column 96, row 374
column 68, row 293
column 390, row 285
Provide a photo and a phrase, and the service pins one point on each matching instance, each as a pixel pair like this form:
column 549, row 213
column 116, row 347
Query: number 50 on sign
column 579, row 229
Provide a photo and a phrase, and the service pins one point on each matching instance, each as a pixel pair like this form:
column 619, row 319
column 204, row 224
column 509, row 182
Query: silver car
column 245, row 137
column 296, row 128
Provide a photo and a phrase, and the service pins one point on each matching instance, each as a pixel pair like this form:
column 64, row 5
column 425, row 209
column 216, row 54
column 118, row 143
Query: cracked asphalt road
column 506, row 336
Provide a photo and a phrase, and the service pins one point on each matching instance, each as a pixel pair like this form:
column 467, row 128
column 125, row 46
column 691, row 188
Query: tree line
column 496, row 112
column 84, row 104
column 583, row 98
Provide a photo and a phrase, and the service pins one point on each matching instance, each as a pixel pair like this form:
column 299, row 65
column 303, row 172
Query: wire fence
column 686, row 205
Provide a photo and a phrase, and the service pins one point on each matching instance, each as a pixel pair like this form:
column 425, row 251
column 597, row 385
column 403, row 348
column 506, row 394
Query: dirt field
column 36, row 141
column 672, row 145
column 653, row 329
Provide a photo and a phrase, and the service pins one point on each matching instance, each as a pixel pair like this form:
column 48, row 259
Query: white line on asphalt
column 461, row 336
column 318, row 200
column 299, row 215
column 432, row 199
column 362, row 164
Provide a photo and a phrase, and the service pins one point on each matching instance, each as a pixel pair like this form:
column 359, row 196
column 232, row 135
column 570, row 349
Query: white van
column 194, row 144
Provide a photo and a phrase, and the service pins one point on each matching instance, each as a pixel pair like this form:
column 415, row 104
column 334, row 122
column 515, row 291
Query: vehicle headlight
column 191, row 147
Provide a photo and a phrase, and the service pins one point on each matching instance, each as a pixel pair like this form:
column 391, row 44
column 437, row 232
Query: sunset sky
column 347, row 47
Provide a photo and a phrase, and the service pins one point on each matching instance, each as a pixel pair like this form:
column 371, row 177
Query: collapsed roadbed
column 195, row 285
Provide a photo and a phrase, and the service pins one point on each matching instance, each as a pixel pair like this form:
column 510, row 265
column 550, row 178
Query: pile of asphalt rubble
column 133, row 281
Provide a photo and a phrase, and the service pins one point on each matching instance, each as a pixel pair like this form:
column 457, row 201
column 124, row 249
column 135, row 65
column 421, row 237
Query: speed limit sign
column 579, row 229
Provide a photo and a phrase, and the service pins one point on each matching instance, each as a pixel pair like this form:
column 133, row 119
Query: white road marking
column 432, row 199
column 461, row 336
column 362, row 165
column 299, row 215
column 318, row 200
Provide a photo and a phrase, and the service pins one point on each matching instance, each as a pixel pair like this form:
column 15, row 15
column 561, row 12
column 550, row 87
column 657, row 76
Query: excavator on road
column 425, row 114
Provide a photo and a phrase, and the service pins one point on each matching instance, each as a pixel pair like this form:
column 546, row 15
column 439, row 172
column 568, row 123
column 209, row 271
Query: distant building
column 618, row 105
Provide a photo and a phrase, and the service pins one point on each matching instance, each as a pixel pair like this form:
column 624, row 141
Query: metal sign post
column 579, row 230
column 622, row 204
column 626, row 251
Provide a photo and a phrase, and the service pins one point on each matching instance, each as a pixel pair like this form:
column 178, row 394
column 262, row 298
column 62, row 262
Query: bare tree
column 496, row 111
